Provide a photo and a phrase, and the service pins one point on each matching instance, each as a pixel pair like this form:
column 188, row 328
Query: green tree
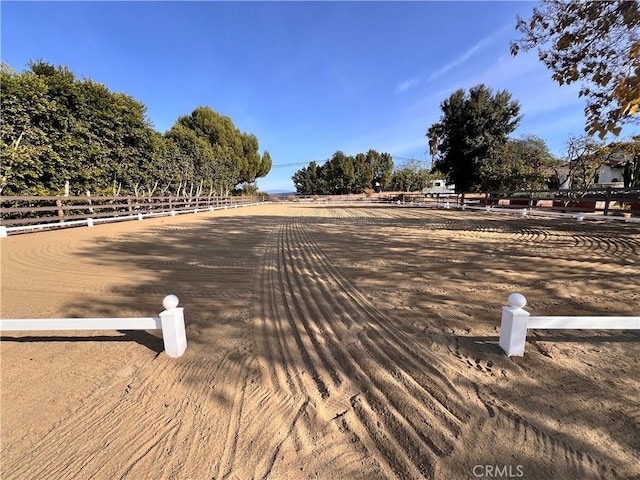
column 227, row 170
column 597, row 43
column 231, row 145
column 339, row 174
column 250, row 159
column 472, row 127
column 384, row 172
column 345, row 174
column 434, row 135
column 363, row 165
column 519, row 164
column 24, row 148
column 265, row 165
column 308, row 180
column 58, row 129
column 411, row 176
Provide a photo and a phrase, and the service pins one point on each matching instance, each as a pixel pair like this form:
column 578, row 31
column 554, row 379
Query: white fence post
column 173, row 332
column 89, row 222
column 513, row 328
column 3, row 231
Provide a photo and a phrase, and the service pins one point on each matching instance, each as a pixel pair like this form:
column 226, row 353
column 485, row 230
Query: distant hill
column 280, row 192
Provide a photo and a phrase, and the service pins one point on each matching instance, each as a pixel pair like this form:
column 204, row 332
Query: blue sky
column 307, row 78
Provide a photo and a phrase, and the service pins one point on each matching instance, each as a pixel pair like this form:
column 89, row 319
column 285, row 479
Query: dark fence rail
column 600, row 201
column 28, row 210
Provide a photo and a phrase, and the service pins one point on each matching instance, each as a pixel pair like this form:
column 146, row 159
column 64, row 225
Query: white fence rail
column 170, row 321
column 528, row 212
column 516, row 321
column 90, row 222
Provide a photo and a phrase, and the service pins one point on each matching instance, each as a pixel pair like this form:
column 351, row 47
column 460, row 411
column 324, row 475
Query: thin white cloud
column 507, row 71
column 454, row 63
column 470, row 52
column 406, row 85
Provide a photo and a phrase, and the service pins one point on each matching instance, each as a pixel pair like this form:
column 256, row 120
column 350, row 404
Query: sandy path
column 328, row 342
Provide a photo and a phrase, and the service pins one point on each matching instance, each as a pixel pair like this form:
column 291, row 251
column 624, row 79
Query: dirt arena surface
column 324, row 341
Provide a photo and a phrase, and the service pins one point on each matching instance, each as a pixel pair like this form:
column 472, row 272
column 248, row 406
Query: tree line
column 343, row 174
column 58, row 132
column 361, row 173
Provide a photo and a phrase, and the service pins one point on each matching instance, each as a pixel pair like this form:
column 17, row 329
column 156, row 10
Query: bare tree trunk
column 88, row 192
column 154, row 188
column 164, row 190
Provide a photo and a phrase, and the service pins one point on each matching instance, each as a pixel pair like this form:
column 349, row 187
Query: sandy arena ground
column 325, row 341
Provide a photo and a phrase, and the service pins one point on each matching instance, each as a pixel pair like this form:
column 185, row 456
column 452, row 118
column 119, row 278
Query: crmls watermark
column 498, row 471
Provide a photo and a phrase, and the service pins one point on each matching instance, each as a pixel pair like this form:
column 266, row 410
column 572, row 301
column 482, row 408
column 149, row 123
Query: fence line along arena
column 324, row 341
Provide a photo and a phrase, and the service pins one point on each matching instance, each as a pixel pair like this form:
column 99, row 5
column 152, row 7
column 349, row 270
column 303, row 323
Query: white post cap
column 170, row 302
column 517, row 300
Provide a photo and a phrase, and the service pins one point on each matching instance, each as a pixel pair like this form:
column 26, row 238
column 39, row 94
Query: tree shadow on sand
column 440, row 278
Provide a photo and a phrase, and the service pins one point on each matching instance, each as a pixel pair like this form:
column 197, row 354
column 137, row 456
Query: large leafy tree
column 596, row 43
column 519, row 164
column 473, row 126
column 383, row 169
column 59, row 130
column 308, row 180
column 24, row 147
column 265, row 164
column 233, row 150
column 411, row 176
column 339, row 174
column 434, row 136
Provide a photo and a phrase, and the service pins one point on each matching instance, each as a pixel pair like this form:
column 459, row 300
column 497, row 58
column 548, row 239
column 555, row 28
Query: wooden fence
column 516, row 321
column 600, row 201
column 606, row 201
column 50, row 211
column 170, row 321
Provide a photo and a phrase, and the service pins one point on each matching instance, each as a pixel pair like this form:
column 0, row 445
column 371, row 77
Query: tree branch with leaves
column 596, row 43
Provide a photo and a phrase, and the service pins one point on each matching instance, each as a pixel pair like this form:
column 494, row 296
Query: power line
column 321, row 162
column 293, row 164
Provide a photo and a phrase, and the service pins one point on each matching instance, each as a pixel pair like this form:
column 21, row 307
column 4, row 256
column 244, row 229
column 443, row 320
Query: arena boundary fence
column 516, row 321
column 37, row 213
column 170, row 321
column 610, row 204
